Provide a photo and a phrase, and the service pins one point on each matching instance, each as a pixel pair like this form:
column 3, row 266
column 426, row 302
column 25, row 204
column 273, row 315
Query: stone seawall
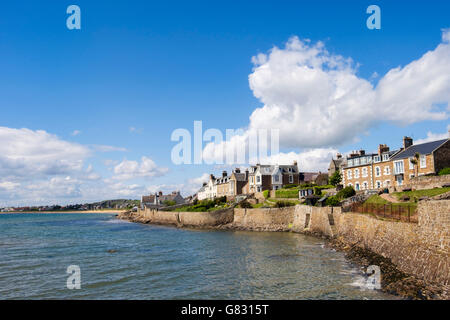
column 421, row 250
column 182, row 219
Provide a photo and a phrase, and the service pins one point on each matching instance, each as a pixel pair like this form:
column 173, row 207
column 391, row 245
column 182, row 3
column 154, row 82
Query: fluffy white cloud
column 147, row 168
column 434, row 136
column 309, row 160
column 316, row 98
column 29, row 154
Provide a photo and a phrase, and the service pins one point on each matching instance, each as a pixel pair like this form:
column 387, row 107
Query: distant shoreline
column 73, row 211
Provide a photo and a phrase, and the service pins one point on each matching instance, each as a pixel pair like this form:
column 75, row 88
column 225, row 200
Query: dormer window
column 376, row 159
column 385, row 157
column 350, row 163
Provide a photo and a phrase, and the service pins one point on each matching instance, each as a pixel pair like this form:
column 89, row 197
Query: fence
column 403, row 212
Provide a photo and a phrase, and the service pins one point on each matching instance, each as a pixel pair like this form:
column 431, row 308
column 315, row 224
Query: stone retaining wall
column 422, row 249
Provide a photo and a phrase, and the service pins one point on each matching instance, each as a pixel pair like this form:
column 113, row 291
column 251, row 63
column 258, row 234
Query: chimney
column 211, row 176
column 204, row 184
column 237, row 170
column 246, row 174
column 160, row 193
column 407, row 142
column 224, row 173
column 338, row 156
column 362, row 152
column 382, row 148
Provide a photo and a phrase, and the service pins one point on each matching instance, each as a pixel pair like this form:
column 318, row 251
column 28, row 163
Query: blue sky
column 137, row 70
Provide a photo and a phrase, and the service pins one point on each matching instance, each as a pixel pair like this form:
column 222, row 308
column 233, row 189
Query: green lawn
column 376, row 199
column 421, row 193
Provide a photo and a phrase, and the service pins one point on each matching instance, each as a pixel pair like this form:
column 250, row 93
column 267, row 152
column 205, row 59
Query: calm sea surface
column 123, row 260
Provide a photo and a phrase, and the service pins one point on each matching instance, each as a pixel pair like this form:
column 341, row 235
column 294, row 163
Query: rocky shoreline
column 393, row 281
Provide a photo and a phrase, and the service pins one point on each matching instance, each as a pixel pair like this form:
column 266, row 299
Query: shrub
column 282, row 204
column 169, row 203
column 266, row 194
column 245, row 204
column 290, row 186
column 335, row 178
column 444, row 171
column 317, row 191
column 332, row 201
column 347, row 192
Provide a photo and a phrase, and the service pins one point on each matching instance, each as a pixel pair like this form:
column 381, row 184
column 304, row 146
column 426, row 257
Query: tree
column 415, row 162
column 335, row 178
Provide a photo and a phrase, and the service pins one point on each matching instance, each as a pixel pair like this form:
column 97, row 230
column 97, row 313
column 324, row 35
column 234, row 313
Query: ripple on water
column 123, row 260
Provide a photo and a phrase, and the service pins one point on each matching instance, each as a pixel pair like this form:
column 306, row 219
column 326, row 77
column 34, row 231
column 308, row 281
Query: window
column 387, row 183
column 356, row 161
column 369, row 159
column 349, row 174
column 376, row 159
column 387, row 171
column 350, row 185
column 423, row 161
column 411, row 165
column 364, row 172
column 365, row 185
column 385, row 157
column 276, row 178
column 377, row 171
column 378, row 183
column 350, row 163
column 291, row 178
column 363, row 160
column 356, row 173
column 398, row 167
column 357, row 186
column 258, row 179
column 399, row 180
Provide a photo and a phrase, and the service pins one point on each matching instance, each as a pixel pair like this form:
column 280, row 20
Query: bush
column 335, row 178
column 444, row 171
column 282, row 204
column 290, row 186
column 245, row 204
column 169, row 203
column 266, row 193
column 332, row 201
column 347, row 192
column 317, row 191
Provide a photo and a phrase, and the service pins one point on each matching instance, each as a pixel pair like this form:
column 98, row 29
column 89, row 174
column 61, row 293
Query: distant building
column 157, row 200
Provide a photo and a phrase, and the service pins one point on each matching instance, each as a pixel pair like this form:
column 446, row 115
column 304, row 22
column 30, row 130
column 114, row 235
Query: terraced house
column 387, row 168
column 368, row 171
column 421, row 159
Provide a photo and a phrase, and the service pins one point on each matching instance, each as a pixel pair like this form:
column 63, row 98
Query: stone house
column 336, row 164
column 368, row 171
column 433, row 156
column 157, row 200
column 271, row 177
column 386, row 168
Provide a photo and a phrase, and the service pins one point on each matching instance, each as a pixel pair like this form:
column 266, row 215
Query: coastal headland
column 413, row 257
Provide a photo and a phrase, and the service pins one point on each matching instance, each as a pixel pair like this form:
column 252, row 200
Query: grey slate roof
column 424, row 148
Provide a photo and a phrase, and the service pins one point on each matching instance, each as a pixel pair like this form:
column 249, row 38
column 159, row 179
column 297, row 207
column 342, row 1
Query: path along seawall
column 416, row 253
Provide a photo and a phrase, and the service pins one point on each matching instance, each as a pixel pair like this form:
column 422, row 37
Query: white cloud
column 105, row 148
column 76, row 133
column 433, row 136
column 147, row 168
column 309, row 160
column 316, row 98
column 26, row 154
column 446, row 35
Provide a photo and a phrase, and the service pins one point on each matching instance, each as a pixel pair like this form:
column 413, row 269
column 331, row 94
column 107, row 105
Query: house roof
column 239, row 176
column 308, row 176
column 424, row 148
